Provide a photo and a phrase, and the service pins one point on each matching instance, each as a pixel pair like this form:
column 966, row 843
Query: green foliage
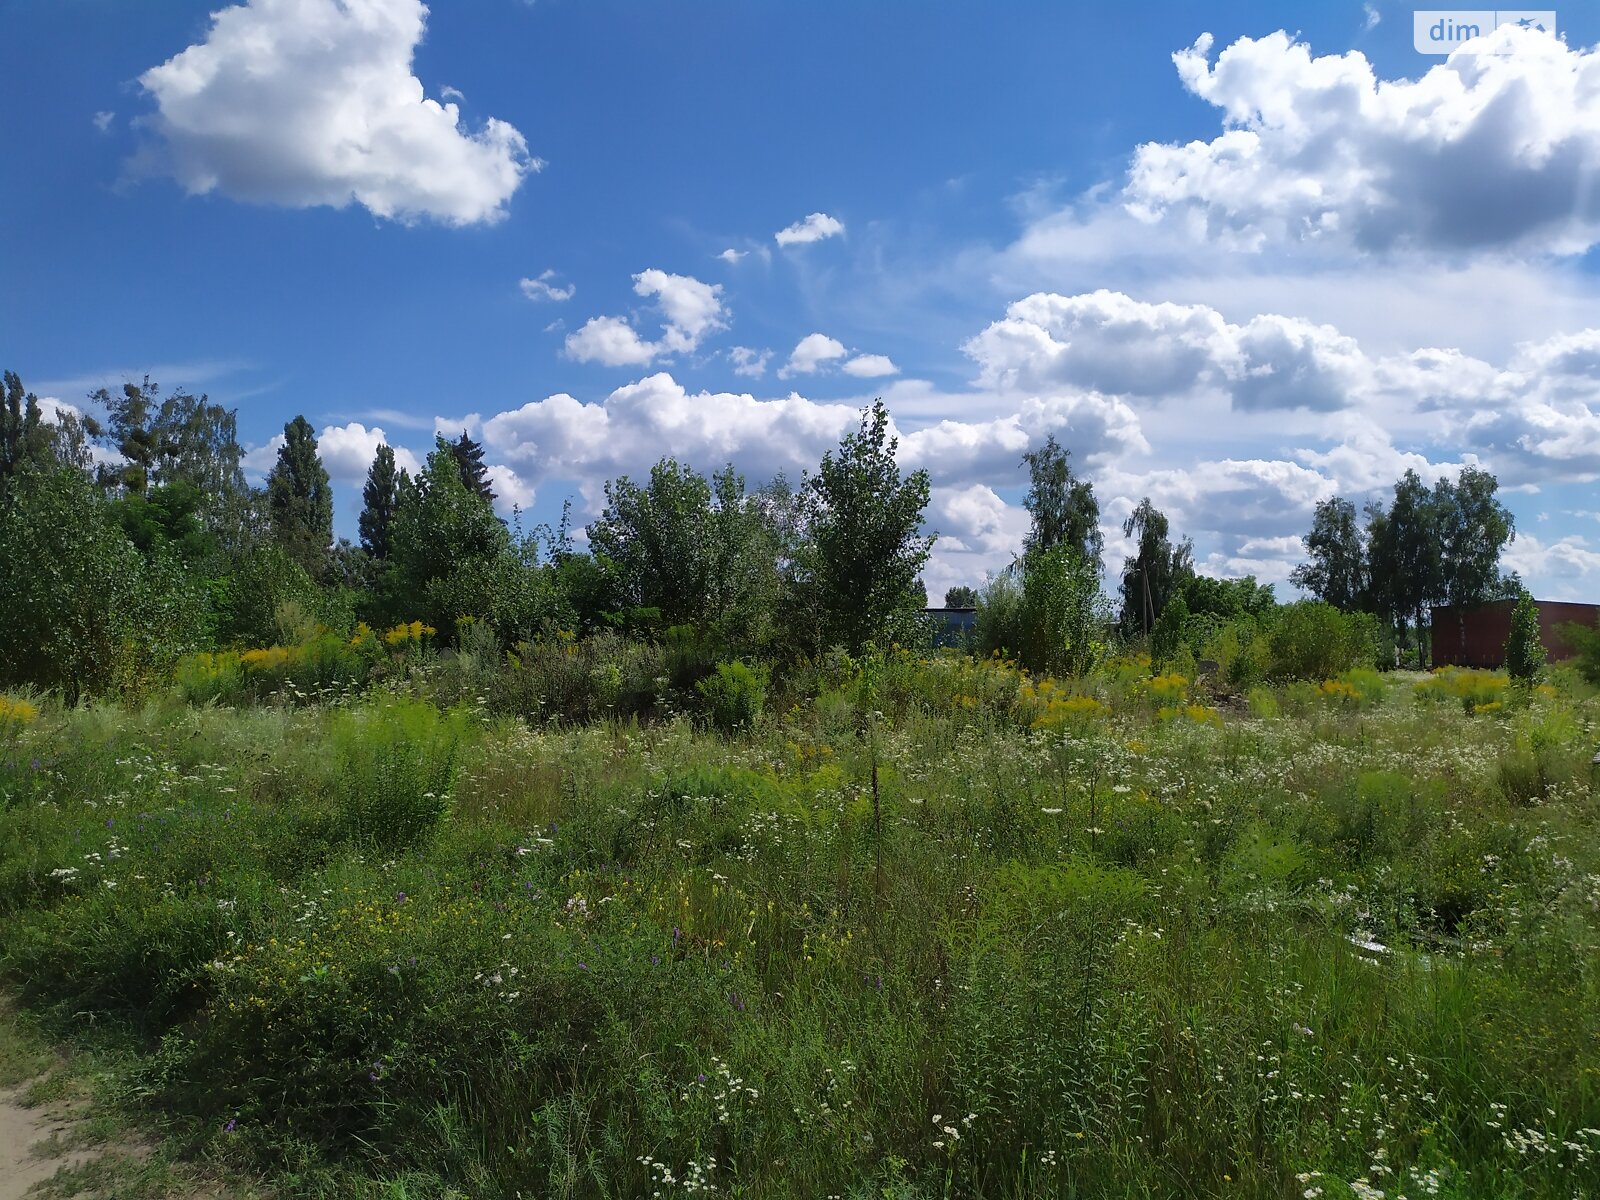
column 1156, row 572
column 469, row 461
column 1063, row 507
column 1524, row 647
column 961, row 596
column 24, row 436
column 450, row 556
column 696, row 551
column 1064, row 616
column 300, row 499
column 264, row 580
column 177, row 439
column 1168, row 634
column 735, row 695
column 380, row 498
column 1337, row 572
column 86, row 614
column 1312, row 640
column 865, row 552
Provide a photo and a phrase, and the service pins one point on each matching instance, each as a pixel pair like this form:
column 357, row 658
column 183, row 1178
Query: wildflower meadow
column 910, row 925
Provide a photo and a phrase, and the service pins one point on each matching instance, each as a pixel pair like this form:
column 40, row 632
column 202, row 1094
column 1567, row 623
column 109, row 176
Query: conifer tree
column 300, row 499
column 469, row 460
column 379, row 499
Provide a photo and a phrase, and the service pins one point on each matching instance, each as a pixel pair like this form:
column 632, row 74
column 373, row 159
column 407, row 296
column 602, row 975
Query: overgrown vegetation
column 463, row 862
column 922, row 926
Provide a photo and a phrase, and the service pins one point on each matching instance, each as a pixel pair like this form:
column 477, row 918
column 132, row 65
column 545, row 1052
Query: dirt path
column 32, row 1143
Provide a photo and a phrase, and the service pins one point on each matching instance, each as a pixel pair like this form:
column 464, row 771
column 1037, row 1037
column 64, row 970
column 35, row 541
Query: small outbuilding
column 953, row 626
column 1475, row 635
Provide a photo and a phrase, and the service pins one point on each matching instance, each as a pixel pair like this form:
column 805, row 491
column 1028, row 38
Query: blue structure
column 952, row 626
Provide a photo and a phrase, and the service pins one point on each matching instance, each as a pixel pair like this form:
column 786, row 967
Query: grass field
column 940, row 930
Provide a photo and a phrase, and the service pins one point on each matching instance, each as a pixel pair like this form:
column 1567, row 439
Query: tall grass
column 1075, row 942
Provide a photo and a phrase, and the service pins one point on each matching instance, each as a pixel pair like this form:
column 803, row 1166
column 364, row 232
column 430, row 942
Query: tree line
column 132, row 537
column 1423, row 547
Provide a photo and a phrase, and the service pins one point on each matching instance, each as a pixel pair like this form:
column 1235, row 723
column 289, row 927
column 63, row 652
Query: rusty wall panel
column 1476, row 636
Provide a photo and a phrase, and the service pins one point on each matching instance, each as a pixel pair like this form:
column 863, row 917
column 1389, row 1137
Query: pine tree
column 300, row 499
column 469, row 460
column 379, row 499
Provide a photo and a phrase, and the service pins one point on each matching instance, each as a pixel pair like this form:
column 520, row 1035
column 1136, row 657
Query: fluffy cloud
column 1495, row 147
column 690, row 311
column 347, row 451
column 1112, row 343
column 870, row 366
column 313, row 102
column 542, row 287
column 636, row 424
column 610, row 341
column 813, row 352
column 749, row 361
column 732, row 256
column 1569, row 565
column 814, row 228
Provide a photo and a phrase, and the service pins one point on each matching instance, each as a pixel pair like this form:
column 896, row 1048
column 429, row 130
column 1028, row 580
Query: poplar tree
column 379, row 499
column 300, row 499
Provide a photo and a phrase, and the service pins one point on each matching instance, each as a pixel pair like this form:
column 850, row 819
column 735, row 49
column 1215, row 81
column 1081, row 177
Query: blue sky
column 1237, row 257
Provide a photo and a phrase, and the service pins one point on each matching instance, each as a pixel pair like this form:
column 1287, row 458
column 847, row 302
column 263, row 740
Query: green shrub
column 1313, row 640
column 735, row 695
column 1524, row 649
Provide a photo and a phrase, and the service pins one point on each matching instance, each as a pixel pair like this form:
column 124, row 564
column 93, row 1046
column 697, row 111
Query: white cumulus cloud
column 1497, row 147
column 870, row 366
column 814, row 228
column 813, row 351
column 690, row 311
column 313, row 102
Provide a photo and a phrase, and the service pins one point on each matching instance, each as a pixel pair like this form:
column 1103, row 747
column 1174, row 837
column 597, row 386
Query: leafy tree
column 450, row 556
column 300, row 499
column 743, row 549
column 469, row 460
column 961, row 596
column 87, row 614
column 694, row 551
column 1168, row 632
column 24, row 436
column 1228, row 599
column 1064, row 615
column 161, row 441
column 1473, row 529
column 1337, row 572
column 866, row 551
column 1524, row 647
column 1404, row 554
column 653, row 541
column 167, row 519
column 1155, row 572
column 1436, row 546
column 1064, row 509
column 380, row 497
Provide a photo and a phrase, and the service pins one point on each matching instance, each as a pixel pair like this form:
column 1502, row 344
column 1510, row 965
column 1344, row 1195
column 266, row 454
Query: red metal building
column 1476, row 636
